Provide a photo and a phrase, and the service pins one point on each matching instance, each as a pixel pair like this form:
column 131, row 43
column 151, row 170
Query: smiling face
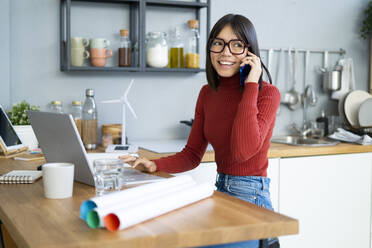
column 225, row 63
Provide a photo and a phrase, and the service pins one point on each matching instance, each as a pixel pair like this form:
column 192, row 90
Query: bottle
column 192, row 49
column 124, row 49
column 176, row 49
column 156, row 49
column 89, row 123
column 56, row 107
column 77, row 114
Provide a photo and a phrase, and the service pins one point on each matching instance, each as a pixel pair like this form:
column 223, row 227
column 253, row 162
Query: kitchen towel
column 346, row 136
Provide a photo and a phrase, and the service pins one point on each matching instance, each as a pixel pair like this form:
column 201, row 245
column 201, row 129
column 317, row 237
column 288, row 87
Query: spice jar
column 56, row 107
column 156, row 49
column 124, row 48
column 77, row 114
column 192, row 53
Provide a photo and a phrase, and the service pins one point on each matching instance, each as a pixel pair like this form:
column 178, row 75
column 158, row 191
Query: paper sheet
column 128, row 216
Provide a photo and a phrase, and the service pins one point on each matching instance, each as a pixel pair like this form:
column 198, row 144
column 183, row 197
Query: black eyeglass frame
column 228, row 45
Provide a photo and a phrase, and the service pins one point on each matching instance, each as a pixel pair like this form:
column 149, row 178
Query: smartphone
column 244, row 71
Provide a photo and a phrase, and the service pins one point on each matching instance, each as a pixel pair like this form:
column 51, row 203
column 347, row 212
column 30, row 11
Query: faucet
column 303, row 131
column 308, row 98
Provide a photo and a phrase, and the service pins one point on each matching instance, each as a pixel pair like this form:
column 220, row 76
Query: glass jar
column 77, row 114
column 89, row 123
column 56, row 107
column 176, row 49
column 192, row 49
column 156, row 49
column 124, row 49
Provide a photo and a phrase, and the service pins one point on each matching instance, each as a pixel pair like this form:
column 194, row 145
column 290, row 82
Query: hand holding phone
column 244, row 71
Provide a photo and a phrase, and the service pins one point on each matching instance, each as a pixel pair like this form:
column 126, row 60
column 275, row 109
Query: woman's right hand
column 141, row 164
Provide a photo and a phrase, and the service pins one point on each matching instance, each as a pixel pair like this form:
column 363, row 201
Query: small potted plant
column 366, row 33
column 18, row 117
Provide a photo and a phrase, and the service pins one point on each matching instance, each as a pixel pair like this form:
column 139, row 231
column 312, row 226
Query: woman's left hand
column 256, row 69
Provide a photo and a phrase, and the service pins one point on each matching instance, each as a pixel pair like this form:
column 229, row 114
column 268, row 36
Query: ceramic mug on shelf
column 99, row 43
column 98, row 56
column 78, row 55
column 79, row 42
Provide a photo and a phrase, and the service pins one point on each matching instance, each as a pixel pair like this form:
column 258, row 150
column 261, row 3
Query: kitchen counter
column 34, row 221
column 283, row 151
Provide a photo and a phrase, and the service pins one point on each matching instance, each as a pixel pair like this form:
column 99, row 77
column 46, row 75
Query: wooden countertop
column 34, row 221
column 283, row 151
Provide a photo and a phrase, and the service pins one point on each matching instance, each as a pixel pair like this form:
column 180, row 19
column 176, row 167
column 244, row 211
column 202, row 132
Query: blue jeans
column 252, row 189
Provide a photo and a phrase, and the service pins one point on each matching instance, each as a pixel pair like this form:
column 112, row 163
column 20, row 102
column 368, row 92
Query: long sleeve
column 194, row 150
column 255, row 114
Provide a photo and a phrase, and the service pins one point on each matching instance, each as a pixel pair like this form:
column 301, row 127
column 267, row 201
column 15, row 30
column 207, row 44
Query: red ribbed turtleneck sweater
column 237, row 124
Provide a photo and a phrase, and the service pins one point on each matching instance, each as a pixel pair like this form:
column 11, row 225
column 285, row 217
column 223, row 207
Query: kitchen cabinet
column 331, row 198
column 273, row 174
column 206, row 172
column 137, row 27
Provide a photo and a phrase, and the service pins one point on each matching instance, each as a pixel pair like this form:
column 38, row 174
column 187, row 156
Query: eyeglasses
column 235, row 46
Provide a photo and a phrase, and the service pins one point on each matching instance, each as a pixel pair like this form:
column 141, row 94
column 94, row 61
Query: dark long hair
column 244, row 30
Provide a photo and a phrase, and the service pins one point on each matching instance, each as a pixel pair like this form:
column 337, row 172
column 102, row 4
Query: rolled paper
column 112, row 199
column 95, row 217
column 128, row 216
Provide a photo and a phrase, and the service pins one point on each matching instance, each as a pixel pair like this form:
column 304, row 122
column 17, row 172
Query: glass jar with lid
column 192, row 49
column 56, row 107
column 77, row 114
column 156, row 49
column 176, row 49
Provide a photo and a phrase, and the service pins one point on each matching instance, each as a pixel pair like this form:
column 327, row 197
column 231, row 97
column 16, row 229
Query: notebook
column 21, row 176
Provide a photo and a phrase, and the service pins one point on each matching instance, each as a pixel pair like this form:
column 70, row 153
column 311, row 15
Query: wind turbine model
column 125, row 103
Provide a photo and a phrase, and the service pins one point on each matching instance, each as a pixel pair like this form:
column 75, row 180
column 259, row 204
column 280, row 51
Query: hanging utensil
column 311, row 97
column 278, row 64
column 295, row 102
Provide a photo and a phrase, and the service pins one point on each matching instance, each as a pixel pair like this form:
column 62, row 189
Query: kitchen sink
column 300, row 141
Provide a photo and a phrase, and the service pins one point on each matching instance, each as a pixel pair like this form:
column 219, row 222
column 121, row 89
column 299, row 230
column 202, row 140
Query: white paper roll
column 138, row 196
column 128, row 216
column 128, row 195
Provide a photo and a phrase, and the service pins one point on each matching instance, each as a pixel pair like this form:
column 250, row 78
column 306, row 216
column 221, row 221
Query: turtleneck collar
column 227, row 83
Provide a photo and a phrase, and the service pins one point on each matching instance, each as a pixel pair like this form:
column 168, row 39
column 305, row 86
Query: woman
column 237, row 120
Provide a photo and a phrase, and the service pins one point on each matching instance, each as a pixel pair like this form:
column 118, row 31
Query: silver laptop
column 60, row 141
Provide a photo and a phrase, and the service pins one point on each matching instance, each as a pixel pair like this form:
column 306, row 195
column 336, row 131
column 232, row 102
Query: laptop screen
column 7, row 132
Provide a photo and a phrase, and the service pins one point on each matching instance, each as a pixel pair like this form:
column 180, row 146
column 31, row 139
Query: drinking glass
column 107, row 175
column 317, row 130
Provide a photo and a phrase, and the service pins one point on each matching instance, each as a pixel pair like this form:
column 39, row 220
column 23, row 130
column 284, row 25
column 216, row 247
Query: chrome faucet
column 303, row 131
column 308, row 98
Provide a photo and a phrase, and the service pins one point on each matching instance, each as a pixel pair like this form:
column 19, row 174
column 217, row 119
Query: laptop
column 60, row 141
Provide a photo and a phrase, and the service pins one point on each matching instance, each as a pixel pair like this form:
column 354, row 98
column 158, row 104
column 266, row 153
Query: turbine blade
column 130, row 86
column 131, row 109
column 111, row 101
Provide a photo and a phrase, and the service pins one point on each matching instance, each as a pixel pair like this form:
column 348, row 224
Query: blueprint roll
column 129, row 216
column 147, row 191
column 134, row 197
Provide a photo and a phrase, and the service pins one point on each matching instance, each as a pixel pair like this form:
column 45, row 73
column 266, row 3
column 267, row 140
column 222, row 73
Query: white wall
column 163, row 99
column 4, row 54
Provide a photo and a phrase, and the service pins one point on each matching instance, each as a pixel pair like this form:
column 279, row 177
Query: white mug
column 58, row 180
column 99, row 43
